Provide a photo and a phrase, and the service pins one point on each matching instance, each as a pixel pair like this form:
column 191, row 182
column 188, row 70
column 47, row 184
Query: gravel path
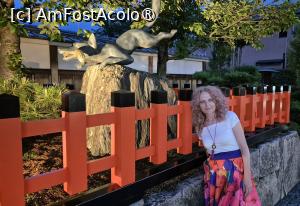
column 292, row 199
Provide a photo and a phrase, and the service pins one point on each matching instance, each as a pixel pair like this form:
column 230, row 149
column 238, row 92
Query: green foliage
column 295, row 94
column 36, row 102
column 248, row 69
column 294, row 56
column 284, row 77
column 221, row 56
column 15, row 62
column 246, row 20
column 239, row 76
column 209, row 78
column 295, row 111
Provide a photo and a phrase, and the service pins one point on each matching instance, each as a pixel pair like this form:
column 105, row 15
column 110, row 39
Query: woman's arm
column 241, row 140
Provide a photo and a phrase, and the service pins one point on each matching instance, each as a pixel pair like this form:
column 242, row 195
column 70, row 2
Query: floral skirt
column 223, row 181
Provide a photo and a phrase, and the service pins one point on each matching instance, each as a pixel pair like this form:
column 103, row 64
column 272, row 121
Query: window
column 282, row 34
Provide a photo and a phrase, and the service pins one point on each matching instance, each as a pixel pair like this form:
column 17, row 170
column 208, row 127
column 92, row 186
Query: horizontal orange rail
column 144, row 152
column 46, row 180
column 42, row 127
column 172, row 144
column 100, row 119
column 99, row 165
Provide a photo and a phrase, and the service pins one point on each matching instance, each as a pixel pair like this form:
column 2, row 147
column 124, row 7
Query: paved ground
column 292, row 199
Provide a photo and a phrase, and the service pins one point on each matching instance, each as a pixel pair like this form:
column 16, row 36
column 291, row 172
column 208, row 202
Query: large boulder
column 98, row 84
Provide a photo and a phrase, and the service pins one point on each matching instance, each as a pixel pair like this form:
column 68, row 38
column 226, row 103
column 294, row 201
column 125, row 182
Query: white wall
column 186, row 66
column 35, row 53
column 141, row 61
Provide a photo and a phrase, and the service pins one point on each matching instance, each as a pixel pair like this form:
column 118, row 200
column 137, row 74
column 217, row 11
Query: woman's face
column 207, row 104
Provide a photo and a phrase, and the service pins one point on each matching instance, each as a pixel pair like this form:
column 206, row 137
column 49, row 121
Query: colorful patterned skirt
column 223, row 181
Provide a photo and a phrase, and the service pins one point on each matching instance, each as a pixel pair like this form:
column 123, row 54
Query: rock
column 254, row 160
column 99, row 83
column 290, row 162
column 269, row 157
column 267, row 190
column 187, row 193
column 138, row 203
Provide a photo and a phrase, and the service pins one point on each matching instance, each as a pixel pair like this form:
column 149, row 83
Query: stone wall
column 275, row 167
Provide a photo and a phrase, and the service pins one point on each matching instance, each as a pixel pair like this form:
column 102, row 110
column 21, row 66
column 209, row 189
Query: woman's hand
column 247, row 186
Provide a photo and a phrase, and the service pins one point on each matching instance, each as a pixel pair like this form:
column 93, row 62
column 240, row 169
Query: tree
column 200, row 23
column 294, row 56
column 221, row 55
column 9, row 42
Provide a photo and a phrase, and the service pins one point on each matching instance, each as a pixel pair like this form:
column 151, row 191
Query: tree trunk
column 9, row 45
column 162, row 58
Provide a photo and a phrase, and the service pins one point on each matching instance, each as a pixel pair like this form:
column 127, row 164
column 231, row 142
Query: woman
column 227, row 178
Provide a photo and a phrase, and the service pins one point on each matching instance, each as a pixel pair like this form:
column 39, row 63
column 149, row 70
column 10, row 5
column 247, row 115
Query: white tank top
column 225, row 140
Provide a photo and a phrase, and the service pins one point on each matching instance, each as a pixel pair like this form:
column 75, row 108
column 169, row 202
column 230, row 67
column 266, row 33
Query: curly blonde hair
column 219, row 100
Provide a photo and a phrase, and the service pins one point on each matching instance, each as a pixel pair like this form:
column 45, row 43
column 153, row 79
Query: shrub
column 284, row 77
column 248, row 69
column 203, row 76
column 237, row 78
column 36, row 102
column 244, row 75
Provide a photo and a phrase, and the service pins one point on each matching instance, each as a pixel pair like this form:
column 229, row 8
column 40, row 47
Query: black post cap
column 186, row 86
column 9, row 106
column 251, row 90
column 279, row 88
column 239, row 91
column 73, row 102
column 122, row 98
column 175, row 85
column 262, row 89
column 271, row 89
column 159, row 97
column 287, row 88
column 226, row 91
column 185, row 95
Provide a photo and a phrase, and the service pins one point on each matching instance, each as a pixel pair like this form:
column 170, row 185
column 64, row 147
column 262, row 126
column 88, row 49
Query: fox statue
column 120, row 52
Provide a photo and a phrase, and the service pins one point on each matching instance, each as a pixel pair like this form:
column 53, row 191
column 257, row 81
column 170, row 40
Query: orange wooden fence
column 254, row 110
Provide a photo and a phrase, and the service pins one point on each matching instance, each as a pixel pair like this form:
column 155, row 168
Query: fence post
column 123, row 137
column 158, row 126
column 11, row 159
column 278, row 104
column 286, row 103
column 261, row 106
column 270, row 105
column 184, row 122
column 240, row 109
column 251, row 109
column 74, row 142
